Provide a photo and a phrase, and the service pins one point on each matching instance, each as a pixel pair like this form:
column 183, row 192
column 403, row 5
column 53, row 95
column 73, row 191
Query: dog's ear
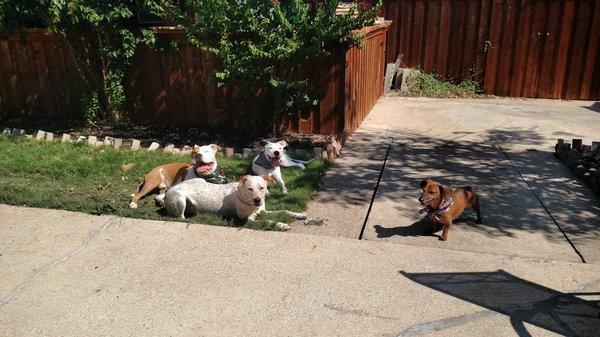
column 269, row 179
column 263, row 142
column 215, row 147
column 423, row 183
column 283, row 143
column 244, row 178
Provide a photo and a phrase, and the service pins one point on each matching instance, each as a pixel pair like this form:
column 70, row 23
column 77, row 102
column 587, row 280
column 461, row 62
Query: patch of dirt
column 224, row 136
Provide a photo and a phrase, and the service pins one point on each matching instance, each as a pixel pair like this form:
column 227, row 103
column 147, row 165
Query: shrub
column 101, row 35
column 263, row 43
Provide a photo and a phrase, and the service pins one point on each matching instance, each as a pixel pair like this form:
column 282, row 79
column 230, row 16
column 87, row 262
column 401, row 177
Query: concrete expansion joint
column 93, row 233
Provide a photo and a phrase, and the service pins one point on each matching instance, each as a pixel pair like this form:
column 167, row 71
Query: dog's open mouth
column 202, row 168
column 276, row 161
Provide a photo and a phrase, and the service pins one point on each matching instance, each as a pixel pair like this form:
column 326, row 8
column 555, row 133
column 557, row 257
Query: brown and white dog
column 204, row 165
column 444, row 204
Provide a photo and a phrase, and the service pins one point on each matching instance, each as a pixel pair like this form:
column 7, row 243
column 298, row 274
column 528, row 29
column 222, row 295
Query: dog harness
column 216, row 177
column 443, row 209
column 264, row 162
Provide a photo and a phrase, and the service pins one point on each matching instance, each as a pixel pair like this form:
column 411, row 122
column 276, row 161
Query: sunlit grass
column 77, row 177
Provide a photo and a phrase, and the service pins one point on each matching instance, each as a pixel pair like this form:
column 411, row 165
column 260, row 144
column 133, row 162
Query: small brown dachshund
column 444, row 204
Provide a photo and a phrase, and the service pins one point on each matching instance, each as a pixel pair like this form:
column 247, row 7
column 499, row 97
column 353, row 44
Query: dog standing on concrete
column 204, row 165
column 444, row 205
column 269, row 162
column 244, row 199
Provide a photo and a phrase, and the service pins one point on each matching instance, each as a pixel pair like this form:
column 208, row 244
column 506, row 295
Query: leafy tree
column 263, row 44
column 102, row 36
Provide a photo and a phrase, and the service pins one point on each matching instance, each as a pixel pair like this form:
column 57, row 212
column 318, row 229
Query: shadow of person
column 418, row 228
column 521, row 300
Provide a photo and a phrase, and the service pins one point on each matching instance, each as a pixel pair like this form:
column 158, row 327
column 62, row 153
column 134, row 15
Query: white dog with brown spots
column 244, row 199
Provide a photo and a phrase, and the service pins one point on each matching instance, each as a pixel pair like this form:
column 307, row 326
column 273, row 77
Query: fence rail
column 39, row 78
column 518, row 48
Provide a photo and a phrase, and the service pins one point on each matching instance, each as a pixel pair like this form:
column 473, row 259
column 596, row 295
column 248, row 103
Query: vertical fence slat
column 511, row 47
column 592, row 57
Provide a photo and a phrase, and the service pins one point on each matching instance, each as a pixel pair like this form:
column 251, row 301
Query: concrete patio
column 520, row 273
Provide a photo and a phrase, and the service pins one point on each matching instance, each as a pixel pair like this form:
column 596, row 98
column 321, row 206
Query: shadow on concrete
column 418, row 228
column 594, row 107
column 507, row 202
column 521, row 300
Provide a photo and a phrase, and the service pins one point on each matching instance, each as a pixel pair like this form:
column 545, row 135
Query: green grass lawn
column 77, row 177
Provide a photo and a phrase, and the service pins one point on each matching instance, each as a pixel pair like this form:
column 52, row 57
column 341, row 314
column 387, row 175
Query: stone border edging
column 572, row 155
column 119, row 143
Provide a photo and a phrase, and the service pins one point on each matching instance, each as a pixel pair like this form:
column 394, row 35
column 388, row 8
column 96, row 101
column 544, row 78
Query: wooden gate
column 518, row 48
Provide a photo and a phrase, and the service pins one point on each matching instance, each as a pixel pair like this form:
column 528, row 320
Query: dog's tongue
column 275, row 161
column 202, row 168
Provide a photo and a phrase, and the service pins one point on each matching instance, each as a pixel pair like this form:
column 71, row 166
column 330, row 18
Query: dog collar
column 215, row 177
column 443, row 209
column 264, row 162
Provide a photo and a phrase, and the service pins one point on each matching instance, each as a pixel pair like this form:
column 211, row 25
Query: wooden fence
column 39, row 78
column 518, row 48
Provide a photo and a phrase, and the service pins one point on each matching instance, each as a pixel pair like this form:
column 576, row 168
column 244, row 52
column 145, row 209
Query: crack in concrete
column 357, row 312
column 445, row 323
column 55, row 263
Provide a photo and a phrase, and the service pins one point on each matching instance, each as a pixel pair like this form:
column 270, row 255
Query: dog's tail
column 475, row 196
column 300, row 161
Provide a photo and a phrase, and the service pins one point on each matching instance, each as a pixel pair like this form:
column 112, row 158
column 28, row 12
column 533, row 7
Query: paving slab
column 457, row 142
column 154, row 278
column 514, row 222
column 347, row 187
column 31, row 241
column 573, row 205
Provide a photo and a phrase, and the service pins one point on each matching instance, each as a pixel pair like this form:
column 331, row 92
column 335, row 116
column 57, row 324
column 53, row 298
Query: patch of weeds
column 421, row 84
column 77, row 177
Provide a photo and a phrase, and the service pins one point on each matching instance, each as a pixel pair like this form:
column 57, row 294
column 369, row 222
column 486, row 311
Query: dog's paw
column 284, row 191
column 133, row 205
column 283, row 226
column 441, row 238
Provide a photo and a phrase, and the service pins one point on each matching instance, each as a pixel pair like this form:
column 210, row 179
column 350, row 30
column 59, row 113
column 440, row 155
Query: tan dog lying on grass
column 445, row 205
column 244, row 199
column 204, row 165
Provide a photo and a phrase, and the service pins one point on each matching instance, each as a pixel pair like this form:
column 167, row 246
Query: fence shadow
column 521, row 300
column 508, row 204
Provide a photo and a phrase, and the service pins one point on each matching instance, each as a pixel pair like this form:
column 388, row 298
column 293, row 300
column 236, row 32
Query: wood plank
column 482, row 38
column 418, row 33
column 579, row 37
column 470, row 39
column 392, row 12
column 521, row 47
column 8, row 91
column 591, row 58
column 431, row 36
column 493, row 55
column 55, row 74
column 406, row 30
column 511, row 14
column 458, row 17
column 549, row 52
column 444, row 39
column 560, row 69
column 536, row 40
column 45, row 102
column 23, row 80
